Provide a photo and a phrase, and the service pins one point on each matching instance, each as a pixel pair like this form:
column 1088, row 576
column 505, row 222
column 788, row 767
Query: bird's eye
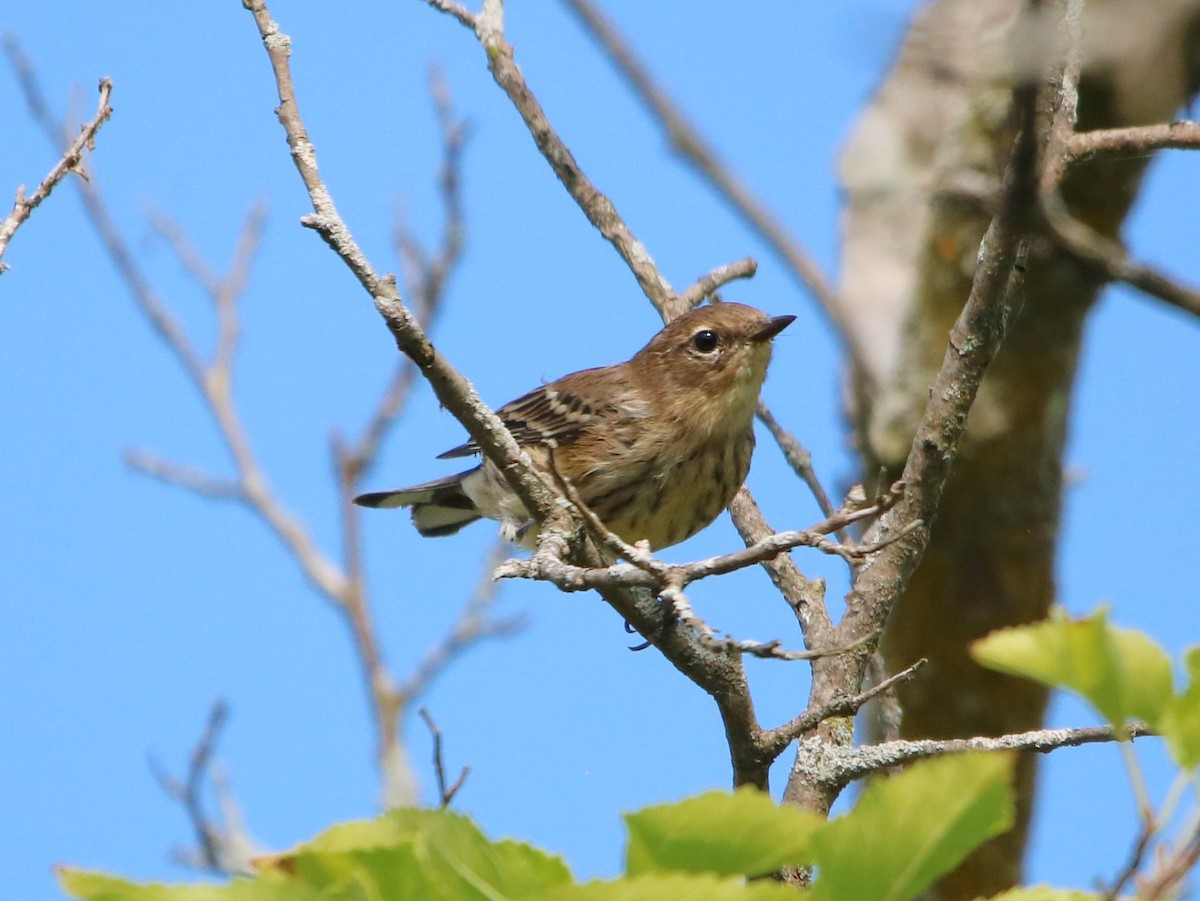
column 705, row 341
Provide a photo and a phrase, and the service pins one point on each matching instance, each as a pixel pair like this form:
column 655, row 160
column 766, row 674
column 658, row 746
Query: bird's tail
column 440, row 507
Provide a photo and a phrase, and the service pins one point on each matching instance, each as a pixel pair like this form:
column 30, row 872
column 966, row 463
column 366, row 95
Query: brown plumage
column 656, row 446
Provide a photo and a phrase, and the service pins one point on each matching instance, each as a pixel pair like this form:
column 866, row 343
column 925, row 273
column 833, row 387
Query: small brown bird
column 656, row 446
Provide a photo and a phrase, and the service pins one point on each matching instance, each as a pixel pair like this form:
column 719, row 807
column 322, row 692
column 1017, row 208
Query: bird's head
column 714, row 357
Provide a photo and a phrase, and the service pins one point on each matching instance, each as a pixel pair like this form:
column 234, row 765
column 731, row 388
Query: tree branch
column 867, row 759
column 973, row 343
column 454, row 392
column 221, row 847
column 777, row 739
column 687, row 141
column 72, row 157
column 489, row 29
column 1133, row 141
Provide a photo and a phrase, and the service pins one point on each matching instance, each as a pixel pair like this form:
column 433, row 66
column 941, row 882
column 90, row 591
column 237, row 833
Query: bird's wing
column 551, row 415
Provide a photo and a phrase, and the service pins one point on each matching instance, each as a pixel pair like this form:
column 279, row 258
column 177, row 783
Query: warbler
column 656, row 446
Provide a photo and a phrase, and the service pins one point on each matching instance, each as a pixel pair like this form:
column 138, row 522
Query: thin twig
column 489, row 29
column 859, row 762
column 454, row 392
column 651, row 573
column 1137, row 857
column 688, row 142
column 185, row 477
column 798, row 458
column 445, row 793
column 1066, row 113
column 775, row 740
column 221, row 847
column 474, row 623
column 1111, row 261
column 708, row 285
column 1172, row 869
column 1134, row 141
column 1067, row 147
column 72, row 157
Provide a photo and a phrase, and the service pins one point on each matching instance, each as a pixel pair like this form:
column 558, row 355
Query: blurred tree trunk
column 939, row 122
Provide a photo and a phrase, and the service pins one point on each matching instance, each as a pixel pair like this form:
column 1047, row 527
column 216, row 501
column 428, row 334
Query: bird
column 656, row 446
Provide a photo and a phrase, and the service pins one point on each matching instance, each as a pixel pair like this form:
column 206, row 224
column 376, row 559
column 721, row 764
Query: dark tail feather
column 440, row 507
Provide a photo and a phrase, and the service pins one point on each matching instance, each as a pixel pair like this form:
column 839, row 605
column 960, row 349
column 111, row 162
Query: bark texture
column 932, row 143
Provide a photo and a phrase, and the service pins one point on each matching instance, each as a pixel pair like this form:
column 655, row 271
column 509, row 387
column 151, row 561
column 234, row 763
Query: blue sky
column 127, row 607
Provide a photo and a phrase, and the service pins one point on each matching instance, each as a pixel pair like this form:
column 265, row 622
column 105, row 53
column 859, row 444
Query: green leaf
column 403, row 854
column 1180, row 721
column 1124, row 674
column 1044, row 893
column 906, row 831
column 101, row 887
column 664, row 886
column 743, row 833
column 424, row 854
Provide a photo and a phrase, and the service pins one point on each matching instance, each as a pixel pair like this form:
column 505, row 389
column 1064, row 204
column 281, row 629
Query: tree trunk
column 940, row 124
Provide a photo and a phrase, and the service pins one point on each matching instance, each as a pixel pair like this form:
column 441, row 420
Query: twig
column 687, row 141
column 185, row 477
column 868, row 759
column 1066, row 113
column 454, row 392
column 425, row 273
column 709, row 284
column 1066, row 147
column 775, row 740
column 1133, row 141
column 548, row 564
column 798, row 458
column 425, row 276
column 72, row 158
column 973, row 342
column 1111, row 261
column 1137, row 857
column 489, row 29
column 446, row 795
column 806, row 597
column 474, row 624
column 221, row 847
column 1173, row 867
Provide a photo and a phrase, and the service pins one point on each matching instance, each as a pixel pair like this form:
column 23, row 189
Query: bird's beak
column 770, row 328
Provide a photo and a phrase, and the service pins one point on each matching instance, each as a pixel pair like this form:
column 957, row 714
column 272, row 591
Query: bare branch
column 547, row 563
column 688, row 143
column 425, row 278
column 709, row 284
column 798, row 458
column 973, row 342
column 776, row 740
column 455, row 392
column 595, row 205
column 464, row 16
column 185, row 477
column 1112, row 262
column 806, row 597
column 1066, row 113
column 1172, row 869
column 445, row 793
column 867, row 759
column 1133, row 141
column 72, row 158
column 222, row 847
column 475, row 623
column 1066, row 147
